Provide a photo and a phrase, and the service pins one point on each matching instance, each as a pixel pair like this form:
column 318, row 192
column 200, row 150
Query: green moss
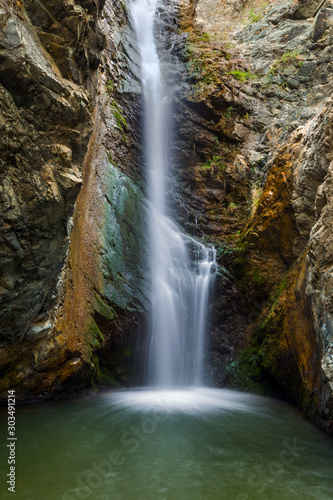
column 109, row 86
column 229, row 112
column 283, row 61
column 232, row 207
column 101, row 375
column 104, row 377
column 204, row 52
column 247, row 372
column 104, row 309
column 266, row 324
column 127, row 353
column 252, row 370
column 94, row 334
column 204, row 37
column 242, row 76
column 120, row 120
column 216, row 164
column 253, row 17
column 243, row 240
column 267, row 367
column 95, row 365
column 258, row 279
column 281, row 288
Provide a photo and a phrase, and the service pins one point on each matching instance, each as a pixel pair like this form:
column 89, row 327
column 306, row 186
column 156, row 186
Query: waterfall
column 181, row 268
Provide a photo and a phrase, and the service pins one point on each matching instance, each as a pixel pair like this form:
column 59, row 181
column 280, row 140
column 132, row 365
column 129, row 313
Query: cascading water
column 181, row 268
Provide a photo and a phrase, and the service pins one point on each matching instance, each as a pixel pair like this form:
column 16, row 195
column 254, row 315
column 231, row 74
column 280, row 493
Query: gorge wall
column 256, row 127
column 70, row 113
column 252, row 165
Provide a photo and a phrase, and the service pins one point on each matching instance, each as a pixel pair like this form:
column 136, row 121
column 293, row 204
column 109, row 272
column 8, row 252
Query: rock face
column 47, row 86
column 67, row 68
column 45, row 127
column 261, row 152
column 312, row 194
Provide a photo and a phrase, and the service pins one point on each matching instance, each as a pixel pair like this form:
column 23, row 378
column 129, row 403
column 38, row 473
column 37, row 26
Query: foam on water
column 191, row 400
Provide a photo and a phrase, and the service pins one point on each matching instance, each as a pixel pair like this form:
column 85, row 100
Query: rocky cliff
column 48, row 81
column 258, row 144
column 69, row 104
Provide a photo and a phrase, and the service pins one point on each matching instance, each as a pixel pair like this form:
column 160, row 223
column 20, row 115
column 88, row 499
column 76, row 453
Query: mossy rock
column 94, row 334
column 103, row 308
column 124, row 246
column 247, row 372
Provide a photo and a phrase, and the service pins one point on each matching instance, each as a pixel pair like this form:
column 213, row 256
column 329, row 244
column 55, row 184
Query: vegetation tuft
column 253, row 17
column 283, row 61
column 242, row 76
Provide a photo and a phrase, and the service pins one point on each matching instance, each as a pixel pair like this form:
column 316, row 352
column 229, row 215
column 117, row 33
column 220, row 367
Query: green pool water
column 191, row 444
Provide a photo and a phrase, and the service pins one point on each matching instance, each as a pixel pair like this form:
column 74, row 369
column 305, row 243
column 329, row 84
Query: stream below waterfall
column 195, row 444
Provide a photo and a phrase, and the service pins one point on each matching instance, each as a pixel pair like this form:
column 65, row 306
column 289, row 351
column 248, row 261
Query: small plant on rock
column 229, row 112
column 284, row 60
column 232, row 207
column 242, row 76
column 109, row 86
column 120, row 120
column 215, row 164
column 253, row 17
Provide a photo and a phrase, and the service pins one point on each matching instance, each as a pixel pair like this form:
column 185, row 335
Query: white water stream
column 181, row 267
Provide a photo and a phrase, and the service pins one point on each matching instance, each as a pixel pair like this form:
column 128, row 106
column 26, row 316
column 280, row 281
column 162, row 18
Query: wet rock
column 40, row 177
column 48, row 83
column 73, row 287
column 323, row 25
column 305, row 9
column 278, row 267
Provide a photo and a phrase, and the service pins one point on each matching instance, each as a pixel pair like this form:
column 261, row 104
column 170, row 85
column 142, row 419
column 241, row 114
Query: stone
column 39, row 329
column 323, row 23
column 45, row 122
column 293, row 82
column 12, row 37
column 305, row 11
column 287, row 231
column 50, row 84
